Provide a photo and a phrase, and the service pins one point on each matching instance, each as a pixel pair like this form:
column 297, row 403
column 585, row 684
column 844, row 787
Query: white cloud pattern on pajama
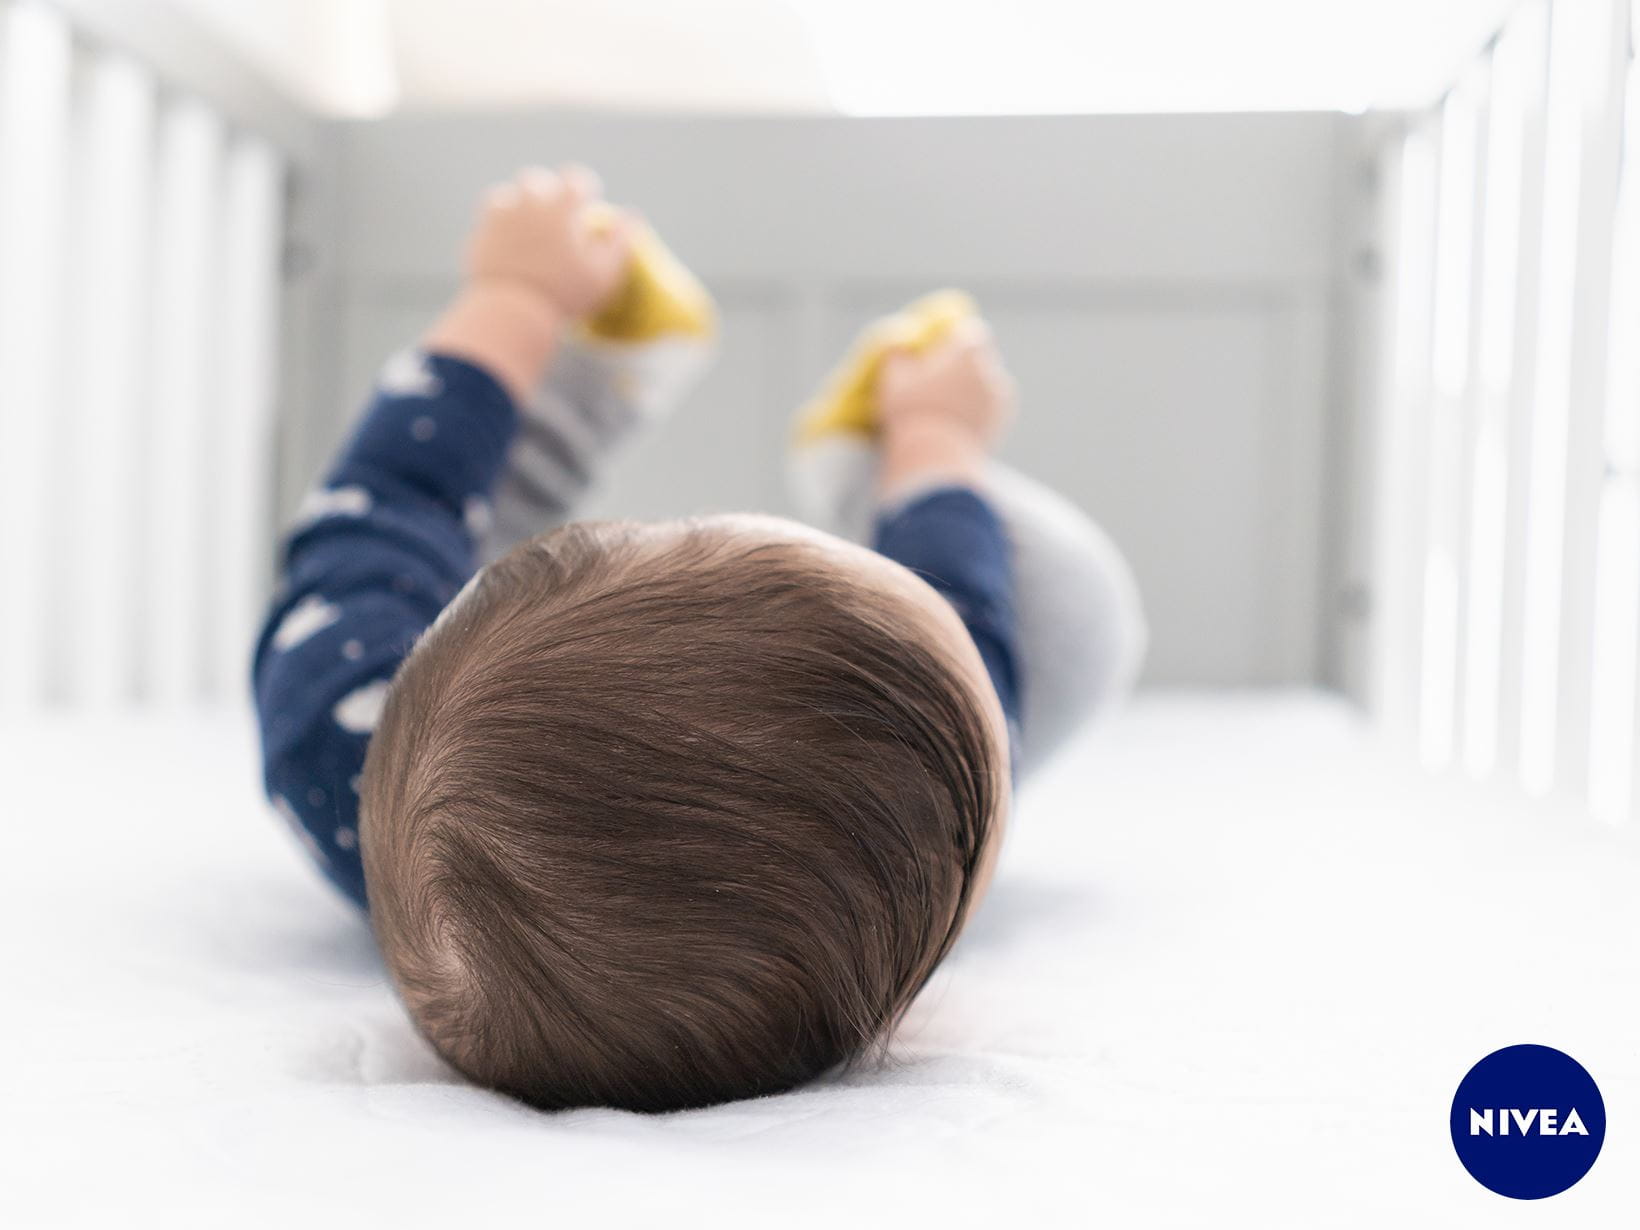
column 350, row 501
column 309, row 616
column 360, row 710
column 407, row 374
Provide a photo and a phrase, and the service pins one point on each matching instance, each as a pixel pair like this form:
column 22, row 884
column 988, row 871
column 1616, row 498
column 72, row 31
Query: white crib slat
column 183, row 356
column 1615, row 689
column 1462, row 166
column 1531, row 25
column 108, row 329
column 1575, row 51
column 1585, row 451
column 1512, row 116
column 244, row 406
column 1403, row 443
column 35, row 63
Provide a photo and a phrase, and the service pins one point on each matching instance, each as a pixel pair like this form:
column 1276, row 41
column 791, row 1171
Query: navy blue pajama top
column 390, row 538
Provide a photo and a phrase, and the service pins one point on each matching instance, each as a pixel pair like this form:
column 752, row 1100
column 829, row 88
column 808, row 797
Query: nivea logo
column 1544, row 1120
column 1528, row 1122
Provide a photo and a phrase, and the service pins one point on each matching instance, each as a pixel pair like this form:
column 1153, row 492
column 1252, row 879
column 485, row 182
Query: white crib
column 142, row 200
column 1422, row 489
column 1508, row 448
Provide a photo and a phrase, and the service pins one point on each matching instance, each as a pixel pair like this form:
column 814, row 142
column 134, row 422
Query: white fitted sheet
column 1236, row 961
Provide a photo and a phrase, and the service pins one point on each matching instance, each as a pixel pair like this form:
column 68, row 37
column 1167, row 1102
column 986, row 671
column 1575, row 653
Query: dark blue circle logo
column 1528, row 1122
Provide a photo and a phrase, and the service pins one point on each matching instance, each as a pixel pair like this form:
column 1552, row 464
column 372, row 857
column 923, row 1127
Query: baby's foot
column 620, row 370
column 847, row 402
column 834, row 459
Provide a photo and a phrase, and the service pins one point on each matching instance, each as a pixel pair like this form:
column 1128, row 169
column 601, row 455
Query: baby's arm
column 388, row 540
column 941, row 413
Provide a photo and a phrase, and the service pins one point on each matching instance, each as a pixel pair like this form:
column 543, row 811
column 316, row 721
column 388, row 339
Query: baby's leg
column 1079, row 630
column 598, row 395
column 1081, row 626
column 1082, row 632
column 622, row 370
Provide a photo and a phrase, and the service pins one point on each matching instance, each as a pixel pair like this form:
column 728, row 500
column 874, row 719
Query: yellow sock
column 848, row 400
column 659, row 297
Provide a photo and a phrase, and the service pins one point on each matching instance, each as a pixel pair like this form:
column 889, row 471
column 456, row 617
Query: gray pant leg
column 1082, row 631
column 597, row 395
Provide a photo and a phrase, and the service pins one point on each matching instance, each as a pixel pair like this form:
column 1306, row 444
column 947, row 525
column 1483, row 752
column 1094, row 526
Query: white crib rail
column 1508, row 527
column 140, row 235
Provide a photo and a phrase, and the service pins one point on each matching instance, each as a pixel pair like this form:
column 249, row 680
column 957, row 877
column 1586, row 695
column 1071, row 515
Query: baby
column 660, row 815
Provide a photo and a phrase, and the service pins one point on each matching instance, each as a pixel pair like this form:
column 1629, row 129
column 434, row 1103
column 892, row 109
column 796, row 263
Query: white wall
column 1161, row 285
column 859, row 57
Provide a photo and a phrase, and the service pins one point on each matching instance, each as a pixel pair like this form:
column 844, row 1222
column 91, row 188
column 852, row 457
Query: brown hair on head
column 659, row 817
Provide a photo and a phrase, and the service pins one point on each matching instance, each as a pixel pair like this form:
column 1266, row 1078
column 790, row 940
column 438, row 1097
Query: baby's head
column 659, row 816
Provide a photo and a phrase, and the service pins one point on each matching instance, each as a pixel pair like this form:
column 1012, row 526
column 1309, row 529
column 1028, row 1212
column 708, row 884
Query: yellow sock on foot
column 659, row 297
column 848, row 400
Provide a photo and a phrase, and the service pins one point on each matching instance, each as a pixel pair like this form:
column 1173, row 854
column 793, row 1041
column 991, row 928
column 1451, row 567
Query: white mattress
column 1235, row 964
